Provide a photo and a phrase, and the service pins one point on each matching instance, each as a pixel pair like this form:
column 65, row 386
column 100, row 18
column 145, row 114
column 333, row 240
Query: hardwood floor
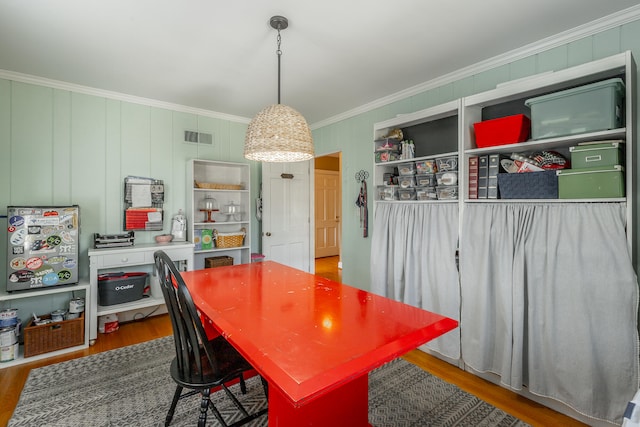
column 12, row 379
column 328, row 267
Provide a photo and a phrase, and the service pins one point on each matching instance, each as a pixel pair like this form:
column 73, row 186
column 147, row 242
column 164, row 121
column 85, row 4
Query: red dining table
column 313, row 339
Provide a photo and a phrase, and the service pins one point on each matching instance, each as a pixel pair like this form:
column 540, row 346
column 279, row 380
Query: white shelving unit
column 461, row 114
column 231, row 183
column 510, row 95
column 127, row 259
column 10, row 300
column 435, row 132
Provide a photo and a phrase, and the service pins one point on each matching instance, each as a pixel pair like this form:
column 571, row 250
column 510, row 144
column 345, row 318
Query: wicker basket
column 217, row 186
column 218, row 261
column 229, row 240
column 529, row 185
column 40, row 339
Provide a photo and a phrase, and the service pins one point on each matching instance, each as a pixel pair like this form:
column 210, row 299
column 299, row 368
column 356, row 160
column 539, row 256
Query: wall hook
column 361, row 175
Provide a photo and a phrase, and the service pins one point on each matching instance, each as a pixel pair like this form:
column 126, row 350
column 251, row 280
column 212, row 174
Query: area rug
column 131, row 386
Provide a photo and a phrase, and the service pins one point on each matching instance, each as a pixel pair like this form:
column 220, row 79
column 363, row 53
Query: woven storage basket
column 217, row 186
column 528, row 185
column 53, row 336
column 218, row 261
column 229, row 240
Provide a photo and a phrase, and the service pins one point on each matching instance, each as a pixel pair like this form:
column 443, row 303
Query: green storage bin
column 588, row 108
column 591, row 183
column 596, row 155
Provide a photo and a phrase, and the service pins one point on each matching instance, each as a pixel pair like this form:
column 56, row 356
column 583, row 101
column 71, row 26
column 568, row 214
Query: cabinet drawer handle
column 125, row 259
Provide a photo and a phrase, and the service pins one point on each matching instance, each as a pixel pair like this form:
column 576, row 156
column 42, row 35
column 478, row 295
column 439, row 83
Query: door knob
column 268, row 233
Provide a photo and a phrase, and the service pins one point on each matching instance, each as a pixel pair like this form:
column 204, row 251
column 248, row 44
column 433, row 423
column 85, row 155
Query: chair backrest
column 194, row 354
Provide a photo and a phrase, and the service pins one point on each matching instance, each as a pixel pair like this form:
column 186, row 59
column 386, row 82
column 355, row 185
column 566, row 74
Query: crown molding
column 86, row 90
column 603, row 24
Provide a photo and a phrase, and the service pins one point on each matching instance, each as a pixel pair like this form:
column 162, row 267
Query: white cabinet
column 226, row 186
column 129, row 259
column 478, row 275
column 42, row 302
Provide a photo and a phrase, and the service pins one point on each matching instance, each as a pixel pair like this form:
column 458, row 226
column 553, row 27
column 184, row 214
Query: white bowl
column 164, row 238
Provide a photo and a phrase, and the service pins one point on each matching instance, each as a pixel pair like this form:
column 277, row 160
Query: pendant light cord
column 279, row 53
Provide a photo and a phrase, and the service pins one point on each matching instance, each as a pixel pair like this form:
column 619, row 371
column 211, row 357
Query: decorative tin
column 58, row 315
column 8, row 336
column 8, row 317
column 9, row 353
column 76, row 305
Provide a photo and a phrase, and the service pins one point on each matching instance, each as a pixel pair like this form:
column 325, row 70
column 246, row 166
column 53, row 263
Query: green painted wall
column 354, row 136
column 61, row 147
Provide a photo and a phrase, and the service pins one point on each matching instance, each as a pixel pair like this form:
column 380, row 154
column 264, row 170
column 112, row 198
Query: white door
column 286, row 213
column 327, row 213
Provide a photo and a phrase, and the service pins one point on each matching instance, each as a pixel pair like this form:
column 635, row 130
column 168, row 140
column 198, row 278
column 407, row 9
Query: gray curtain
column 550, row 301
column 413, row 260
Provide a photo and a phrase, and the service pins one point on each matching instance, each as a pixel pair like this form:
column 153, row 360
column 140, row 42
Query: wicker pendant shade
column 278, row 133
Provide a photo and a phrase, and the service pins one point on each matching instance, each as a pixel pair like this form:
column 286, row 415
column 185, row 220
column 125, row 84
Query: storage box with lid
column 426, row 166
column 53, row 336
column 426, row 193
column 591, row 183
column 588, row 108
column 121, row 287
column 447, row 178
column 449, row 192
column 528, row 185
column 407, row 194
column 502, row 131
column 387, row 144
column 426, row 180
column 387, row 156
column 449, row 163
column 406, row 181
column 408, row 168
column 387, row 192
column 596, row 155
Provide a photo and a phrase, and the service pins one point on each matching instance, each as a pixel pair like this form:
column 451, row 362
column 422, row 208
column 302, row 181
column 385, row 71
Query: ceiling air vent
column 198, row 137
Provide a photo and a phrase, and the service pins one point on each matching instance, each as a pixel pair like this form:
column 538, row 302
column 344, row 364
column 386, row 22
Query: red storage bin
column 505, row 130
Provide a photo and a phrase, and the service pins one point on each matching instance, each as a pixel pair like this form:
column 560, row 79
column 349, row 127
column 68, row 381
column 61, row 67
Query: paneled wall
column 354, row 136
column 61, row 147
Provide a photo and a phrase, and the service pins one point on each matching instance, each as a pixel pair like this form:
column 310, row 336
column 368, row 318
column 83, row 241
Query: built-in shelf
column 82, row 286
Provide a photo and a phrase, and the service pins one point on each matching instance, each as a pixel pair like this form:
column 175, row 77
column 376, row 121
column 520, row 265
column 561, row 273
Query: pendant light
column 278, row 133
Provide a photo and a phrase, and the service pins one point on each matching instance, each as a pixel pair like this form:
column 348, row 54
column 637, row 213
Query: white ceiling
column 221, row 55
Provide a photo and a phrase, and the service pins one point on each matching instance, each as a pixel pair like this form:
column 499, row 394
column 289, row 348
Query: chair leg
column 204, row 406
column 172, row 408
column 216, row 413
column 235, row 401
column 243, row 385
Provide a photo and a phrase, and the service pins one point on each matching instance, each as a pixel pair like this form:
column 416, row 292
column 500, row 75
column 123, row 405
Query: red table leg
column 344, row 406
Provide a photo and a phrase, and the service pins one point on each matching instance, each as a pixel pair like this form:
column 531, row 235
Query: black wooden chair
column 200, row 363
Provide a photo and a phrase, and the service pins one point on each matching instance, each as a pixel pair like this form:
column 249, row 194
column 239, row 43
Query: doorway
column 328, row 208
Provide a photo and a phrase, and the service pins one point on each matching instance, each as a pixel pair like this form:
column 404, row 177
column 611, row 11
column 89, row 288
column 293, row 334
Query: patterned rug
column 131, row 386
